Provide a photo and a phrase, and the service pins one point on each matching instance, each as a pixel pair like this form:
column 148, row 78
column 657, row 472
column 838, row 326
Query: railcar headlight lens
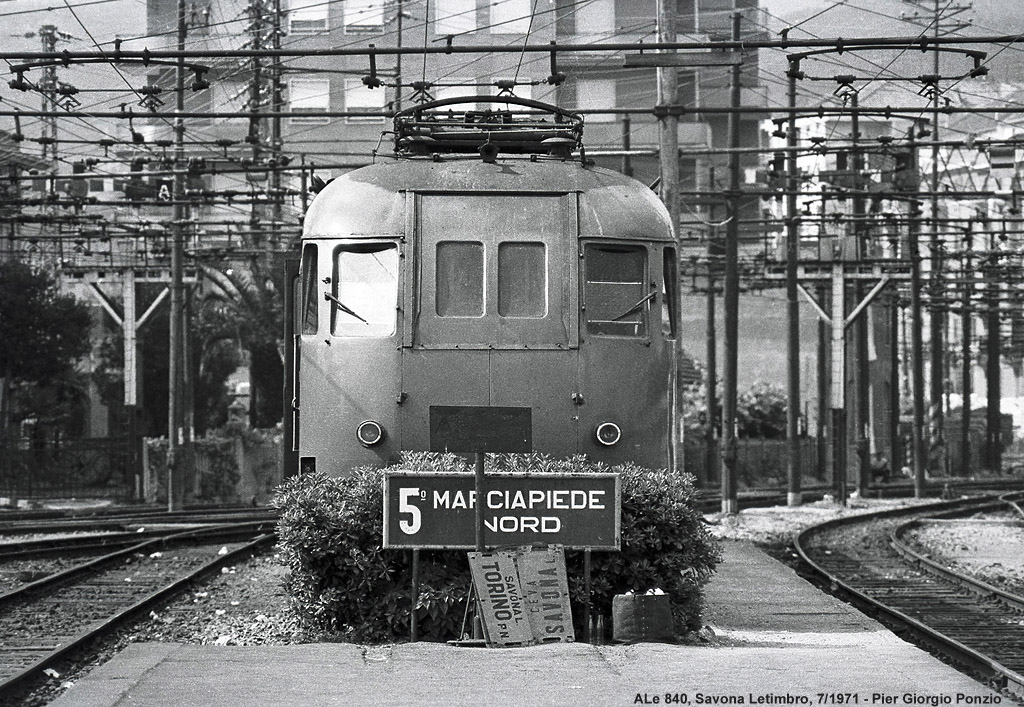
column 608, row 434
column 369, row 433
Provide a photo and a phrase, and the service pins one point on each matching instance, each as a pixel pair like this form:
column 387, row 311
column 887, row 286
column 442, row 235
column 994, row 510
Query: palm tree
column 246, row 306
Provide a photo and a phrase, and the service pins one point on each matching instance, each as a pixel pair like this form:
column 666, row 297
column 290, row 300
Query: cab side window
column 616, row 300
column 669, row 294
column 310, row 302
column 365, row 296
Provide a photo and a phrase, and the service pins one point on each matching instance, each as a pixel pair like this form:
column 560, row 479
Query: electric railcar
column 490, row 267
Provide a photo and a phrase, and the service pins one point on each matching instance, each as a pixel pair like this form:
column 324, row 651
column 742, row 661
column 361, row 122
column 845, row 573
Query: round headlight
column 369, row 433
column 608, row 434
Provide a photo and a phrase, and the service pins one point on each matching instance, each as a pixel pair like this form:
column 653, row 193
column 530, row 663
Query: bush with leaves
column 343, row 582
column 760, row 410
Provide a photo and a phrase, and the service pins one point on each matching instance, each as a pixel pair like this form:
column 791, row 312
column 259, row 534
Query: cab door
column 494, row 323
column 624, row 356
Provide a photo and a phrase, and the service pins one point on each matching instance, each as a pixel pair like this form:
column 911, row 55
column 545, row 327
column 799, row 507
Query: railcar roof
column 370, row 201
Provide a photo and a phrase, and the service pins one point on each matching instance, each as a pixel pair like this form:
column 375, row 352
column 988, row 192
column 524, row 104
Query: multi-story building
column 310, row 86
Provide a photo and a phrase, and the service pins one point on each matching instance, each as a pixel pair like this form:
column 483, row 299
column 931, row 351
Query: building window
column 361, row 98
column 308, row 99
column 522, row 280
column 363, row 15
column 615, row 298
column 594, row 94
column 307, row 16
column 454, row 16
column 365, row 290
column 310, row 290
column 596, row 17
column 510, row 16
column 460, row 279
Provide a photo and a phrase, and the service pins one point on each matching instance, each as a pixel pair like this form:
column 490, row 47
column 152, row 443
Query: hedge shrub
column 344, row 584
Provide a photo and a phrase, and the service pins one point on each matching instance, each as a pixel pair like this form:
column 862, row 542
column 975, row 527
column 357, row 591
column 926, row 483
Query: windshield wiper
column 636, row 306
column 331, row 298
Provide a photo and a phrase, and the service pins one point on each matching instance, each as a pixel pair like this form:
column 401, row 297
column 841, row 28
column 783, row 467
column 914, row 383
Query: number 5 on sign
column 409, row 527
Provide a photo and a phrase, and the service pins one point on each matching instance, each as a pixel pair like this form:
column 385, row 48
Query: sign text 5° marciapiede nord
column 438, row 510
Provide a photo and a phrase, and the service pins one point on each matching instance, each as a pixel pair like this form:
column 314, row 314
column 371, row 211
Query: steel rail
column 116, row 519
column 90, row 538
column 74, row 544
column 973, row 584
column 85, row 568
column 96, row 630
column 1014, row 503
column 955, row 649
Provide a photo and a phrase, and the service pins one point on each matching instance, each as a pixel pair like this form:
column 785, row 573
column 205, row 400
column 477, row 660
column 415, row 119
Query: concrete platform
column 779, row 642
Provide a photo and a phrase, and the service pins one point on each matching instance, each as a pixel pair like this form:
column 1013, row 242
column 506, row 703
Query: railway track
column 15, row 524
column 977, row 626
column 44, row 620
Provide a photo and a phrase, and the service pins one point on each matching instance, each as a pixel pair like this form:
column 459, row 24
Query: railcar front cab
column 626, row 303
column 454, row 307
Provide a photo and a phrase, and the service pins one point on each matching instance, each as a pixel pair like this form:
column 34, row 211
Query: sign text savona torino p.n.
column 436, row 510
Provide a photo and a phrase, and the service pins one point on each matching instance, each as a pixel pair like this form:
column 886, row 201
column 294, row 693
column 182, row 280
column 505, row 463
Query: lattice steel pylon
column 48, row 90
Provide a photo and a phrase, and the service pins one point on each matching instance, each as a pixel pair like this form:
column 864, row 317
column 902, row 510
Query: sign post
column 480, row 429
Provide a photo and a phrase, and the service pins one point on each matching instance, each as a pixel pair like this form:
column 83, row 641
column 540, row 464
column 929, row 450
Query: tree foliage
column 246, row 306
column 43, row 333
column 760, row 410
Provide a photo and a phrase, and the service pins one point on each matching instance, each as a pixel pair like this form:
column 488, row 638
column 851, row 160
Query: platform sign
column 437, row 511
column 501, row 599
column 546, row 594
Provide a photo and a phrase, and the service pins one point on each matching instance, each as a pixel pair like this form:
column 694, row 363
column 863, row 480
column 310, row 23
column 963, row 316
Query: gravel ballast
column 246, row 604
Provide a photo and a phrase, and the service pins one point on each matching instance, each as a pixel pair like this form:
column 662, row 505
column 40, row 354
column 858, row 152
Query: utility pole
column 668, row 132
column 398, row 57
column 256, row 8
column 711, row 381
column 276, row 141
column 941, row 22
column 937, row 455
column 895, row 447
column 794, row 496
column 175, row 417
column 822, row 380
column 862, row 365
column 730, row 299
column 917, row 346
column 966, row 331
column 993, row 374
